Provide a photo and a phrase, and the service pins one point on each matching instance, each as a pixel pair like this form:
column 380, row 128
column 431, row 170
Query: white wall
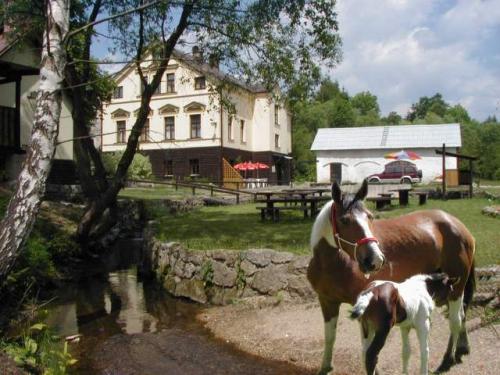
column 29, row 87
column 255, row 109
column 358, row 164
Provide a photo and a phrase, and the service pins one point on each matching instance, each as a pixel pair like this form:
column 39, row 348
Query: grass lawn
column 158, row 192
column 239, row 227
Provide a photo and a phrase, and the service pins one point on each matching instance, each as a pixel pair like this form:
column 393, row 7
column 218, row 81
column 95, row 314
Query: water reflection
column 114, row 300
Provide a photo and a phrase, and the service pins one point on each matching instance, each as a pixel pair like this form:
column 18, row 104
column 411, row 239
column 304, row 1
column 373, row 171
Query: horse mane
column 322, row 227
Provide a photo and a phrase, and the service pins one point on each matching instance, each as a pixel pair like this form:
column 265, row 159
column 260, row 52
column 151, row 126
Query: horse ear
column 336, row 192
column 362, row 192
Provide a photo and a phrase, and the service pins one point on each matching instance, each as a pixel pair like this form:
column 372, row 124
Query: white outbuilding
column 352, row 154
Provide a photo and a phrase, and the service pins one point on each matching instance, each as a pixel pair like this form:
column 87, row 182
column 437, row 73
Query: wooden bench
column 422, row 196
column 380, row 202
column 275, row 214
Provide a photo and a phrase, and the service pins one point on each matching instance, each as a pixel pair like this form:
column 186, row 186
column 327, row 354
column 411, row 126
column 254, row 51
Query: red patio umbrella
column 245, row 166
column 258, row 166
column 403, row 155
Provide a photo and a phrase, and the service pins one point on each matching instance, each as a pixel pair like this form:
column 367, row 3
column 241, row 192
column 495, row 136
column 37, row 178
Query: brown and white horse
column 350, row 249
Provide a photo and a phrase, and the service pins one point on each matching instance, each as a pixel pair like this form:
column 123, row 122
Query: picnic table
column 404, row 194
column 302, row 200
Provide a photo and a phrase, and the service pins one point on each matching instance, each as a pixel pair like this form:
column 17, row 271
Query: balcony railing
column 9, row 135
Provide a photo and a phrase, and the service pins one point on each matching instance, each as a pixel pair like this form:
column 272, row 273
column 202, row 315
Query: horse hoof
column 325, row 371
column 444, row 366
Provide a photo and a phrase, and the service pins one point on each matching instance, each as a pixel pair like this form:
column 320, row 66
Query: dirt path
column 294, row 333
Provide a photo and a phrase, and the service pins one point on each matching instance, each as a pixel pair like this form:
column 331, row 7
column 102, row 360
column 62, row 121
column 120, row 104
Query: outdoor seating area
column 384, row 195
column 309, row 201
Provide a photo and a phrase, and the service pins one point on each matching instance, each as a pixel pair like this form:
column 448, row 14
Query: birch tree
column 24, row 205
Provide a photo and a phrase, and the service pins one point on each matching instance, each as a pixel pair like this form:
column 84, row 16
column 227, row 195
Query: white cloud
column 401, row 50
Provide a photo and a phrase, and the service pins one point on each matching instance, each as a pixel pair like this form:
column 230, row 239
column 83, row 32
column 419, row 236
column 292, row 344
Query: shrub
column 140, row 168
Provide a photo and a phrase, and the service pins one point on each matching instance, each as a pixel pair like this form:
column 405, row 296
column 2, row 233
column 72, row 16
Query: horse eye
column 344, row 220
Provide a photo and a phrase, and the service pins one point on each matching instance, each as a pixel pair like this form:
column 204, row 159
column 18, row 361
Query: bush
column 140, row 168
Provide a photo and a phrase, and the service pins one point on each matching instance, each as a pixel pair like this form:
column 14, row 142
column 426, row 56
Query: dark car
column 398, row 171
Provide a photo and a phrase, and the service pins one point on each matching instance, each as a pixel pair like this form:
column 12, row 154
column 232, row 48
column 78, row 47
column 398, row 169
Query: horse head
column 352, row 227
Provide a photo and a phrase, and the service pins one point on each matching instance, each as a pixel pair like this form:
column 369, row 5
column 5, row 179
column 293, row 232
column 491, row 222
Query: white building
column 188, row 132
column 19, row 81
column 352, row 154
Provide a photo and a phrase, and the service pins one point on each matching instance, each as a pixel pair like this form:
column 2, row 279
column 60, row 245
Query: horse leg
column 375, row 347
column 463, row 347
column 406, row 348
column 423, row 340
column 456, row 320
column 330, row 315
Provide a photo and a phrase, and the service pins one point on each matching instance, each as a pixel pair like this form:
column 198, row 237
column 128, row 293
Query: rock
column 194, row 257
column 259, row 257
column 247, row 267
column 269, row 280
column 300, row 264
column 189, row 270
column 225, row 256
column 179, row 268
column 223, row 275
column 192, row 289
column 299, row 286
column 281, row 257
column 169, row 284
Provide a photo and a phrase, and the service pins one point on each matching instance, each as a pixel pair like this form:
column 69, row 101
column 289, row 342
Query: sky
column 401, row 50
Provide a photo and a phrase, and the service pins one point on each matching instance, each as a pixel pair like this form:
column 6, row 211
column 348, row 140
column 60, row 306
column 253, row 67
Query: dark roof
column 204, row 68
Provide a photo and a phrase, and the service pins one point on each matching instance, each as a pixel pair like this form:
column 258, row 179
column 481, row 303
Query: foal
column 408, row 304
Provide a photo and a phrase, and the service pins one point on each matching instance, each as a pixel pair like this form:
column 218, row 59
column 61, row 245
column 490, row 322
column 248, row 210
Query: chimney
column 197, row 54
column 213, row 61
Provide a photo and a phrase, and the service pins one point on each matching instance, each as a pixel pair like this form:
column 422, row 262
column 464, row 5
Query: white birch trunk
column 25, row 203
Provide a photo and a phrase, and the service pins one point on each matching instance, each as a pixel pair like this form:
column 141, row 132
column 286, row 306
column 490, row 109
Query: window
column 276, row 114
column 195, row 126
column 277, row 141
column 243, row 137
column 158, row 89
column 118, row 93
column 169, row 168
column 120, row 131
column 230, row 128
column 194, row 166
column 145, row 132
column 170, row 83
column 199, row 83
column 170, row 127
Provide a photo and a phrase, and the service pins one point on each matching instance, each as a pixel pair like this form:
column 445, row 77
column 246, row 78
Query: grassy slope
column 239, row 227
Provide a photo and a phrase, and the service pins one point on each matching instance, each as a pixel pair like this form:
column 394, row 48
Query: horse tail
column 361, row 305
column 470, row 287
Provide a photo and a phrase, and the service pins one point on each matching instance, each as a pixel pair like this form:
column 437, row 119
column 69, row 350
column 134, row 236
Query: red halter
column 336, row 234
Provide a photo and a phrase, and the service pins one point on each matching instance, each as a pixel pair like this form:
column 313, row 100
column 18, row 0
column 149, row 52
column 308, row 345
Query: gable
column 167, row 109
column 120, row 113
column 194, row 107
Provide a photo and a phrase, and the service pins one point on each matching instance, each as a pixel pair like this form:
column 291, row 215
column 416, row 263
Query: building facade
column 189, row 132
column 353, row 154
column 19, row 81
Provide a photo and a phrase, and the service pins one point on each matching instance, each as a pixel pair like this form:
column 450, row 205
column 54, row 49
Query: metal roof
column 387, row 137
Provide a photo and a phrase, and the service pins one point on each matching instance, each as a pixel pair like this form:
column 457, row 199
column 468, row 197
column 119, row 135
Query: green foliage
column 38, row 350
column 140, row 168
column 207, row 273
column 435, row 104
column 365, row 103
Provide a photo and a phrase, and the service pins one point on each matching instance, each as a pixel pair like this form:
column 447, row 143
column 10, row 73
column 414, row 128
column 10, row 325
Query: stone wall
column 222, row 276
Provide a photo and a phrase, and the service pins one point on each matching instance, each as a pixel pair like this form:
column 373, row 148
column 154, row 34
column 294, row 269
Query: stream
column 131, row 326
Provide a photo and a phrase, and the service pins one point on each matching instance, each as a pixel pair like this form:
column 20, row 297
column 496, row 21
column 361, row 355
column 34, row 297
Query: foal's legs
column 330, row 314
column 423, row 340
column 456, row 318
column 375, row 347
column 406, row 348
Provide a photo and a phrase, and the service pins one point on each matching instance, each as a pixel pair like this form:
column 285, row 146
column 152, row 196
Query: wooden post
column 444, row 171
column 211, row 191
column 238, row 198
column 17, row 118
column 194, row 191
column 471, row 174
